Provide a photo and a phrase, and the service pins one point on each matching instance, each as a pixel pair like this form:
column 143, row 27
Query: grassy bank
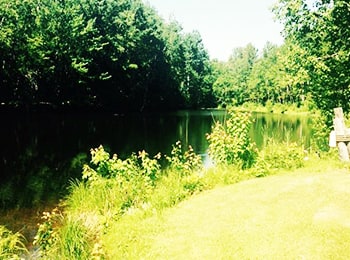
column 303, row 214
column 219, row 213
column 201, row 214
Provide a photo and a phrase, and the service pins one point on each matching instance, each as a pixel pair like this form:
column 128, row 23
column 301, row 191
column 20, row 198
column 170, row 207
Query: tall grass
column 74, row 241
column 68, row 235
column 11, row 244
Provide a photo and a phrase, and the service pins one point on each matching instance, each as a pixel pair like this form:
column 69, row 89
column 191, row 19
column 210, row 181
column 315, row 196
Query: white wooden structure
column 340, row 137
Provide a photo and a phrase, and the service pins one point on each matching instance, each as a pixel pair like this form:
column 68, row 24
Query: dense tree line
column 120, row 55
column 311, row 67
column 117, row 55
column 274, row 76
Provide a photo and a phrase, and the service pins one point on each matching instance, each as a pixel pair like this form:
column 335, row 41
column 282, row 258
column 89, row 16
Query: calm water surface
column 40, row 153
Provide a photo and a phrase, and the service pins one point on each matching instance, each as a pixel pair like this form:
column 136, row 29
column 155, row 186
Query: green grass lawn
column 300, row 215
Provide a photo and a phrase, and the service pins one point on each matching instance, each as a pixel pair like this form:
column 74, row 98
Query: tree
column 231, row 84
column 197, row 83
column 278, row 76
column 262, row 86
column 322, row 31
column 17, row 45
column 114, row 55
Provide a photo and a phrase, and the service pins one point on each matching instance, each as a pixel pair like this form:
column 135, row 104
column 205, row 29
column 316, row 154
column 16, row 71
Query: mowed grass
column 300, row 215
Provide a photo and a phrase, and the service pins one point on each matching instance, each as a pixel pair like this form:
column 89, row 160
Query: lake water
column 40, row 153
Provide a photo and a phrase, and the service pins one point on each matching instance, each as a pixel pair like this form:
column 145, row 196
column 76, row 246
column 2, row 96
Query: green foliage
column 135, row 165
column 277, row 76
column 119, row 186
column 130, row 180
column 47, row 236
column 321, row 31
column 67, row 237
column 101, row 54
column 122, row 55
column 183, row 162
column 230, row 143
column 308, row 70
column 115, row 190
column 320, row 133
column 276, row 156
column 11, row 245
column 232, row 77
column 74, row 241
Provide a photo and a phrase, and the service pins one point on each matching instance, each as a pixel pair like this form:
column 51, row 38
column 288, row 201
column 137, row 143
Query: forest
column 122, row 56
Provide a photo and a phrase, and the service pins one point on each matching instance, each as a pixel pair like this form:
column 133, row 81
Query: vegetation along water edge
column 105, row 213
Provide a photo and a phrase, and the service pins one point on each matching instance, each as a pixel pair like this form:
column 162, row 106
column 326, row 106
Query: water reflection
column 287, row 128
column 41, row 153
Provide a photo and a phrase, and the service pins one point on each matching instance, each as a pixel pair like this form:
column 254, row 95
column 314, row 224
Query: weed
column 11, row 244
column 230, row 144
column 73, row 242
column 47, row 234
column 276, row 156
column 184, row 162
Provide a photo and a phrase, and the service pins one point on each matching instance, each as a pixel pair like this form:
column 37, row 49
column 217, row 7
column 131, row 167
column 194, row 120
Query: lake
column 40, row 153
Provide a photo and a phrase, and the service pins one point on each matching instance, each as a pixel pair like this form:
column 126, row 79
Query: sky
column 224, row 24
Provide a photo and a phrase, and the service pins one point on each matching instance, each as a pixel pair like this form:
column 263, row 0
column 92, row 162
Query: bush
column 320, row 133
column 132, row 179
column 184, row 162
column 230, row 143
column 276, row 156
column 135, row 165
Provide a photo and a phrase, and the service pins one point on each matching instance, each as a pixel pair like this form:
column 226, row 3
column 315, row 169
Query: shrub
column 132, row 179
column 184, row 162
column 230, row 143
column 276, row 156
column 107, row 167
column 320, row 133
column 114, row 186
column 47, row 236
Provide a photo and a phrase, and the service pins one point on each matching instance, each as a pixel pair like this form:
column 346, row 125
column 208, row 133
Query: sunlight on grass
column 299, row 215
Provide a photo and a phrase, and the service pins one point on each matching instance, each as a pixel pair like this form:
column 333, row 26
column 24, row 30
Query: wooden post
column 342, row 134
column 343, row 152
